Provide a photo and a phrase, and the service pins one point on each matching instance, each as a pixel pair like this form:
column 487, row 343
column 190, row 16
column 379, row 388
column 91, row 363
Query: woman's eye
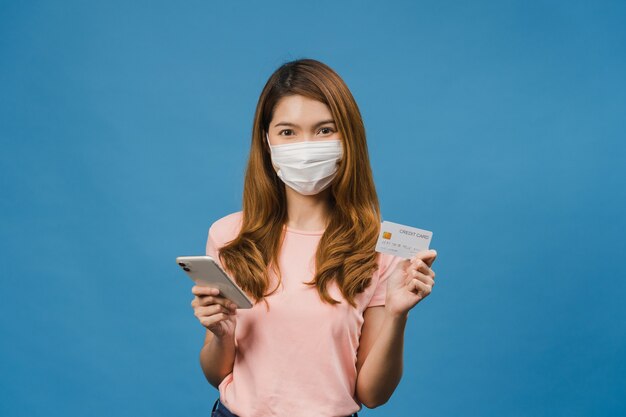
column 326, row 128
column 285, row 130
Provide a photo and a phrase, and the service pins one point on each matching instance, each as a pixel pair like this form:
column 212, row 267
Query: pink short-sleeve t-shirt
column 298, row 358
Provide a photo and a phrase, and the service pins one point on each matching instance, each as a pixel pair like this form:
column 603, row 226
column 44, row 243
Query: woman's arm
column 219, row 316
column 379, row 358
column 217, row 357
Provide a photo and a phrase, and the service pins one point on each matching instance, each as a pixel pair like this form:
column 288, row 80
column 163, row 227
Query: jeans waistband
column 220, row 410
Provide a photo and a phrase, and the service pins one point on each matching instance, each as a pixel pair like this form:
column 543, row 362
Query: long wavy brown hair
column 346, row 249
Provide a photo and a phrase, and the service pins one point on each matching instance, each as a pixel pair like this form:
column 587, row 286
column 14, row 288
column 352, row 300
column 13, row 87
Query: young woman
column 326, row 332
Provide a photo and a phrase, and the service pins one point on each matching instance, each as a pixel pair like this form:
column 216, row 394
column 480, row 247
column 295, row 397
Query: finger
column 426, row 279
column 216, row 309
column 204, row 290
column 211, row 299
column 427, row 256
column 418, row 287
column 211, row 310
column 421, row 266
column 211, row 320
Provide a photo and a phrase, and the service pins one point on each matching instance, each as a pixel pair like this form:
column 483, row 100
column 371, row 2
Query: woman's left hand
column 410, row 282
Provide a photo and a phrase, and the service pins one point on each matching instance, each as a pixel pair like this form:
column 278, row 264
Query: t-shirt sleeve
column 212, row 248
column 387, row 264
column 222, row 232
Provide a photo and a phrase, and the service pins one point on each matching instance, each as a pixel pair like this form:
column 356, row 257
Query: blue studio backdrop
column 498, row 125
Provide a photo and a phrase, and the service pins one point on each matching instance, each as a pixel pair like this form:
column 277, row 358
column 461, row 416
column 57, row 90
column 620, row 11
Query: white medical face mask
column 308, row 167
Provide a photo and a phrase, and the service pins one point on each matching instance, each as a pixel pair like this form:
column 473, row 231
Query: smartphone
column 204, row 271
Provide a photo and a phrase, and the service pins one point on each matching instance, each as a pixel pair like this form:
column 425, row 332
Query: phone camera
column 186, row 269
column 181, row 264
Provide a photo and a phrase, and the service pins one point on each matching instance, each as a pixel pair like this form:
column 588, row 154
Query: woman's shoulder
column 226, row 228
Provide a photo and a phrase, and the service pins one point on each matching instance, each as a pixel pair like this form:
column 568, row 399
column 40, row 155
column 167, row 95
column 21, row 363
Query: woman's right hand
column 214, row 312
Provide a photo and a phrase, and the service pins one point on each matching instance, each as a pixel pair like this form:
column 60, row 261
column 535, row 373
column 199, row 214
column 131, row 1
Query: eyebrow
column 323, row 122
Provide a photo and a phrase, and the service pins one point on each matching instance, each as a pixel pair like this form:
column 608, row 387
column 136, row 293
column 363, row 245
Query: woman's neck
column 307, row 212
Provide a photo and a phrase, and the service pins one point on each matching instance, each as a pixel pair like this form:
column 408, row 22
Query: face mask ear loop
column 269, row 149
column 269, row 145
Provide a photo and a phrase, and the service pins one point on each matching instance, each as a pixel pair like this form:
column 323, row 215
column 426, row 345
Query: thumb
column 427, row 256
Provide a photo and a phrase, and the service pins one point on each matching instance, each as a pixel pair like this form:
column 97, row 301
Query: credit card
column 404, row 241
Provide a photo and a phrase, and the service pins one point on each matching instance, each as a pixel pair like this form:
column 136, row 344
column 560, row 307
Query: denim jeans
column 220, row 410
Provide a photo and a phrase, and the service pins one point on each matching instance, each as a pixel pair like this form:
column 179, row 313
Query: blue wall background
column 498, row 125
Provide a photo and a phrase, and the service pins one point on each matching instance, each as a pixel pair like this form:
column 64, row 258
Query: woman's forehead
column 300, row 110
